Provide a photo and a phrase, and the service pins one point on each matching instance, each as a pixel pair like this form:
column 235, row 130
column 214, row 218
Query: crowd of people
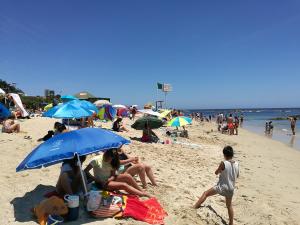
column 229, row 123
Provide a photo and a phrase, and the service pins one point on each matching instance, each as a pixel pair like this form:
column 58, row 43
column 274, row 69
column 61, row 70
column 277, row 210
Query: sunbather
column 70, row 180
column 50, row 133
column 104, row 174
column 118, row 126
column 9, row 126
column 132, row 166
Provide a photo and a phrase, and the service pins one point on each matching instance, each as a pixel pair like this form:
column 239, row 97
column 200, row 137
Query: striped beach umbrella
column 180, row 121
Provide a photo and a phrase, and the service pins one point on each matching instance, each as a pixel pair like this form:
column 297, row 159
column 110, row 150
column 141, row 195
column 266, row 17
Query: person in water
column 229, row 172
column 293, row 124
column 104, row 168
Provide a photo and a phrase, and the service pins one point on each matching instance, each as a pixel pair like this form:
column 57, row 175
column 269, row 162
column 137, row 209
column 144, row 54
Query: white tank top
column 229, row 174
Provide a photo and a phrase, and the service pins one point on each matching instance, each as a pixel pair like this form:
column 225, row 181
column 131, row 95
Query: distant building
column 49, row 93
column 85, row 95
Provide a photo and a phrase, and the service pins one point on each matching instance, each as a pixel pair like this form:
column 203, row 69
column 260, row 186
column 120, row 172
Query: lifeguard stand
column 159, row 105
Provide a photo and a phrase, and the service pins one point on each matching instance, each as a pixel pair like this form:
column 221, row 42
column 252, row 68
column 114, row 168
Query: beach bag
column 110, row 206
column 106, row 211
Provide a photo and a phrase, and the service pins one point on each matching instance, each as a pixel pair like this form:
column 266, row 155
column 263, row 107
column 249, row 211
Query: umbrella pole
column 82, row 175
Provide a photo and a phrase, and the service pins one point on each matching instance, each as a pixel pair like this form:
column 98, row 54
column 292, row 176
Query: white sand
column 268, row 190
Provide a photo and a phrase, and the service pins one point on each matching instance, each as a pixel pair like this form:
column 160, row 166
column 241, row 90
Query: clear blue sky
column 216, row 54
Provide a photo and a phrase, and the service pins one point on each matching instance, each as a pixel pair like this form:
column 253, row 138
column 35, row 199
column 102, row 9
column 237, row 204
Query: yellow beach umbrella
column 180, row 121
column 47, row 107
column 165, row 113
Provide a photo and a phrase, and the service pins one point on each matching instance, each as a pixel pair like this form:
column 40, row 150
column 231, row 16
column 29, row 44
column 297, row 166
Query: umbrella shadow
column 136, row 139
column 23, row 205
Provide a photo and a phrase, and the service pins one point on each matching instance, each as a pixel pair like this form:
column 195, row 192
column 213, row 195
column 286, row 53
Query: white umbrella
column 100, row 103
column 149, row 112
column 120, row 106
column 1, row 91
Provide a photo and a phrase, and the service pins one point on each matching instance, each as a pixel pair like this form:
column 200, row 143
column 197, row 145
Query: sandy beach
column 268, row 190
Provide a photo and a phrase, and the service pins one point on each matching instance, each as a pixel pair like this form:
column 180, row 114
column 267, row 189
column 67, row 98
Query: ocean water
column 255, row 119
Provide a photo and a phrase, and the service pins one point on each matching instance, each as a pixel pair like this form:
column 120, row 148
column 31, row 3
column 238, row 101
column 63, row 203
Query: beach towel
column 149, row 211
column 18, row 103
column 50, row 206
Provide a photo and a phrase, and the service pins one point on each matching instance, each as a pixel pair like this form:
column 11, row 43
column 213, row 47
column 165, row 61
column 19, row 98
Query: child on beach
column 229, row 171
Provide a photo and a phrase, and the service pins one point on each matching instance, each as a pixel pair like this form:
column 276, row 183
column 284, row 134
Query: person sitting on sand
column 61, row 128
column 70, row 180
column 104, row 174
column 9, row 126
column 132, row 166
column 149, row 135
column 51, row 133
column 118, row 126
column 229, row 172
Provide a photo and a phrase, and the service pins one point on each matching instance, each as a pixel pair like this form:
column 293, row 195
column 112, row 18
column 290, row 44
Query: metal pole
column 165, row 99
column 82, row 175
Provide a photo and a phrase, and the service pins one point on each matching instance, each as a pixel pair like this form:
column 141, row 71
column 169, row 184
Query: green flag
column 159, row 86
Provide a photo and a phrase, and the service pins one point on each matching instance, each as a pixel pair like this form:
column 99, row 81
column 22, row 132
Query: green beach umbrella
column 153, row 123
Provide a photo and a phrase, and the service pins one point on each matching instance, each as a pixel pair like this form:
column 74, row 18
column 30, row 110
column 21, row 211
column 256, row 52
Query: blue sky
column 216, row 54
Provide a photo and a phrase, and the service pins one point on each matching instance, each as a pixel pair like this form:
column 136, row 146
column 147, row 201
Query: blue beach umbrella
column 67, row 98
column 4, row 112
column 84, row 104
column 67, row 111
column 67, row 145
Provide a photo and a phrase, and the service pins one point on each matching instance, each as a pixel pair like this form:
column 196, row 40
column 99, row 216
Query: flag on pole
column 159, row 86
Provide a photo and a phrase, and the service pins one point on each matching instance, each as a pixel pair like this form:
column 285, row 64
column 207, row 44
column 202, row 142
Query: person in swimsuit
column 70, row 180
column 230, row 124
column 132, row 166
column 229, row 172
column 9, row 126
column 118, row 126
column 293, row 124
column 236, row 124
column 104, row 168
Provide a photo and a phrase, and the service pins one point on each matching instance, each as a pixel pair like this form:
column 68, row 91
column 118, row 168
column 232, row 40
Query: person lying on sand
column 9, row 126
column 118, row 126
column 70, row 180
column 229, row 172
column 104, row 167
column 132, row 166
column 51, row 133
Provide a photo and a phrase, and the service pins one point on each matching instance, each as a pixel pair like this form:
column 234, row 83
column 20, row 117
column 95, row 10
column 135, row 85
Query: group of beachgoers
column 229, row 123
column 114, row 170
column 269, row 126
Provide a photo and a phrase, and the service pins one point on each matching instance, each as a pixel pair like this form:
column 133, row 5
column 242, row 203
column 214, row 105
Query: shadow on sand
column 136, row 139
column 215, row 212
column 23, row 205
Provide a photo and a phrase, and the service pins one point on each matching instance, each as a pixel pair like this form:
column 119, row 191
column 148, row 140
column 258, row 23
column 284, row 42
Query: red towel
column 149, row 211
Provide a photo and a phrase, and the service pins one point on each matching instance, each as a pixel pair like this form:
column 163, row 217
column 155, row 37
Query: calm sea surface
column 255, row 119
